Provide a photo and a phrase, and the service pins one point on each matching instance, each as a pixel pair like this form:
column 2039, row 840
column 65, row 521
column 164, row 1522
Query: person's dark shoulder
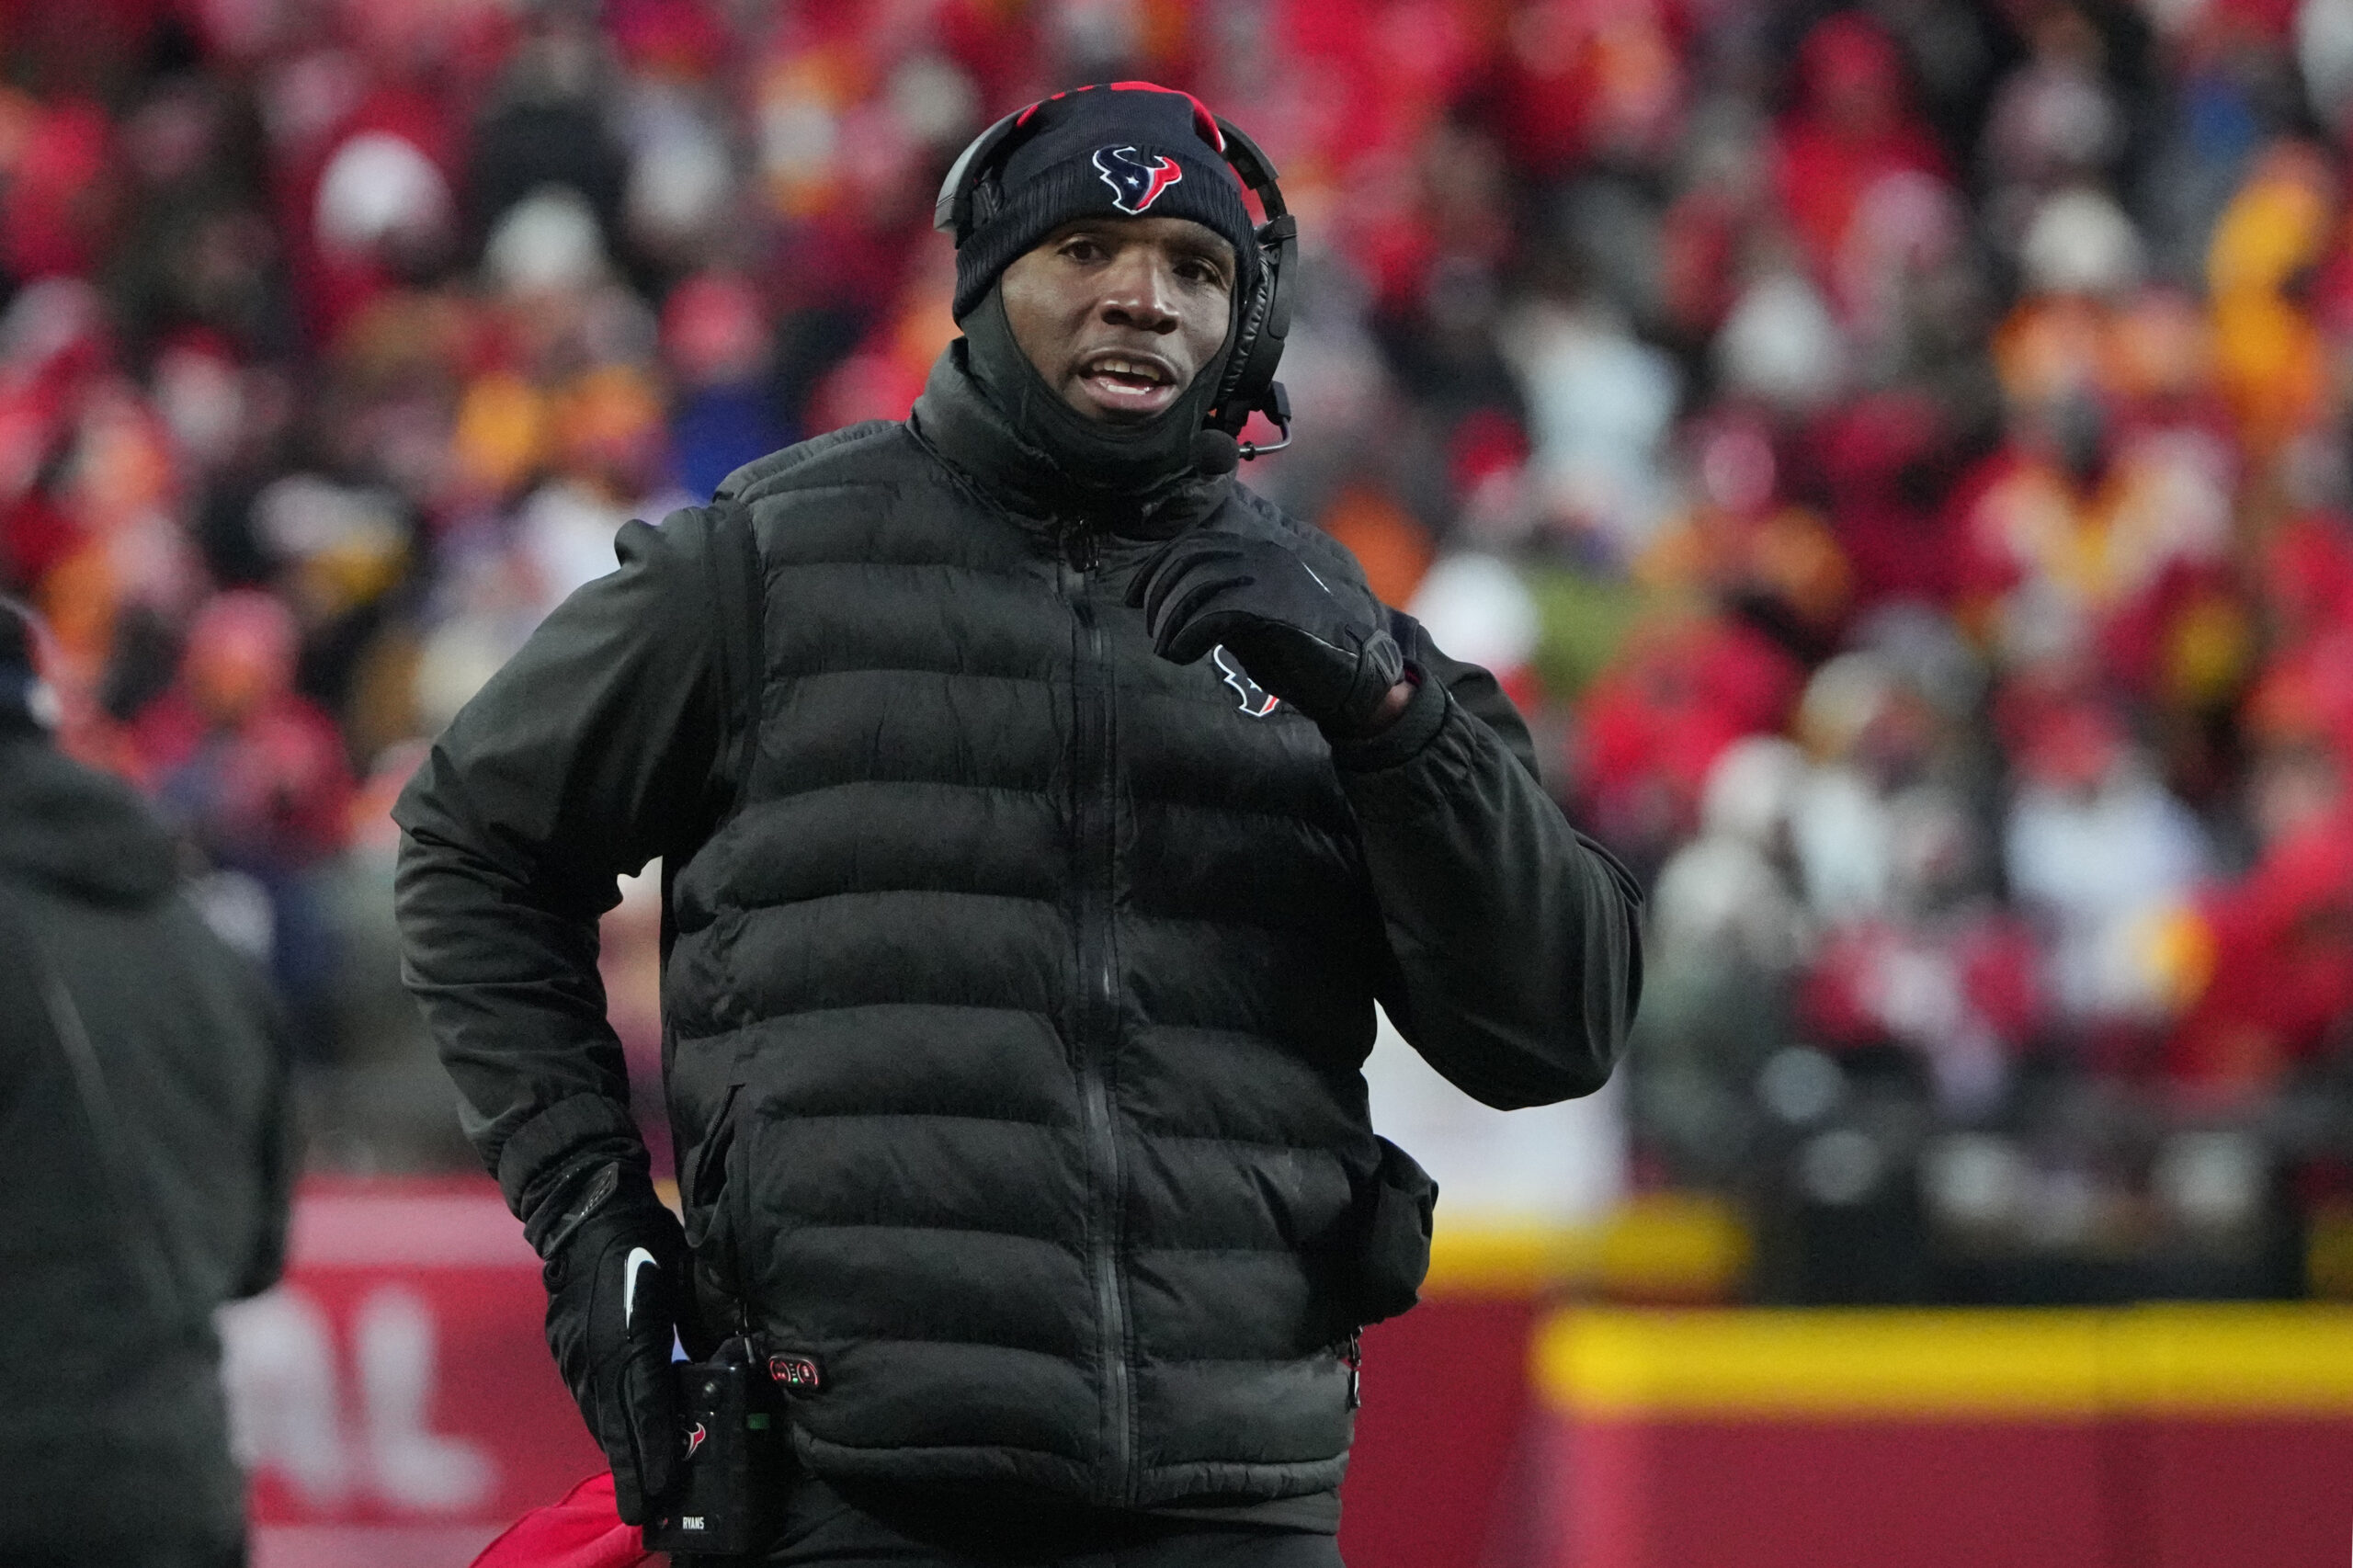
column 868, row 450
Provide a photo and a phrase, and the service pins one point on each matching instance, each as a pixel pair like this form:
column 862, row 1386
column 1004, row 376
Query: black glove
column 1327, row 654
column 614, row 1261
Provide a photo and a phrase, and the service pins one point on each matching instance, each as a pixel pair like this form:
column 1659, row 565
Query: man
column 143, row 1104
column 1042, row 815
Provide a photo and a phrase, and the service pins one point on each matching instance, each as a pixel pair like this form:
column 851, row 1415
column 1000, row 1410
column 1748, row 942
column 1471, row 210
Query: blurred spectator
column 1729, row 931
column 715, row 338
column 2100, row 855
column 1938, row 969
column 254, row 774
column 1852, row 126
column 142, row 1098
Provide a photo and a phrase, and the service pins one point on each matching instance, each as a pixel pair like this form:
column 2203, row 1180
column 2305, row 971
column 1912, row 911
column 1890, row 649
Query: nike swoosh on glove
column 1327, row 653
column 614, row 1260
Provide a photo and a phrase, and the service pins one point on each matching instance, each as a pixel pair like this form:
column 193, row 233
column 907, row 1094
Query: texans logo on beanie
column 1135, row 185
column 1124, row 150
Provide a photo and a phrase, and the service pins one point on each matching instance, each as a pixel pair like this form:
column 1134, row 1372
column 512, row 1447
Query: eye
column 1083, row 248
column 1202, row 270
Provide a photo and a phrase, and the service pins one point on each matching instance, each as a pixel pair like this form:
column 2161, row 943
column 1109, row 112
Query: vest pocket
column 702, row 1198
column 1393, row 1257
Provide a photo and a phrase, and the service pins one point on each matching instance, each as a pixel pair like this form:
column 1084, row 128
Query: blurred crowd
column 1896, row 455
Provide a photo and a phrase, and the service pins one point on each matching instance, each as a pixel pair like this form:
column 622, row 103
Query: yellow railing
column 2060, row 1363
column 1664, row 1246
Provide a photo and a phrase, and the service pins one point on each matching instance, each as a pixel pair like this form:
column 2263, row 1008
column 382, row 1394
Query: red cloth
column 582, row 1531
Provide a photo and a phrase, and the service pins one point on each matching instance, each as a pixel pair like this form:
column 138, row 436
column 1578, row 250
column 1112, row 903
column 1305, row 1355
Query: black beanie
column 1125, row 150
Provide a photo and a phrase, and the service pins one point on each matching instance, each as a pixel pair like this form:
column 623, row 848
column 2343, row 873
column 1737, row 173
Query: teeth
column 1126, row 368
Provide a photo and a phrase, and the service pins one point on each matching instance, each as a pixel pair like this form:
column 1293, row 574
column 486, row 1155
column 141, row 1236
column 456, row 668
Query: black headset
column 970, row 197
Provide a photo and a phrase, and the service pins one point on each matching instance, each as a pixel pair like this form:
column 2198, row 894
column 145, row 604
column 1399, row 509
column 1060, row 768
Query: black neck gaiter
column 1085, row 463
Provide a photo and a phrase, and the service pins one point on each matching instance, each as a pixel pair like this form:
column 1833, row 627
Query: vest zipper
column 1094, row 824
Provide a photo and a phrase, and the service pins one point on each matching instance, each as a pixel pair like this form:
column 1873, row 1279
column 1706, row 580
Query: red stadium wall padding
column 1441, row 1434
column 1950, row 1494
column 2243, row 1493
column 392, row 1395
column 1813, row 1494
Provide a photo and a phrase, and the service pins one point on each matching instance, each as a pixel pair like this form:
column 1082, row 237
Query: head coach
column 1041, row 815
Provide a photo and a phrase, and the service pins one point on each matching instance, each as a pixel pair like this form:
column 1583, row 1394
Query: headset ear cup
column 1266, row 321
column 1233, row 402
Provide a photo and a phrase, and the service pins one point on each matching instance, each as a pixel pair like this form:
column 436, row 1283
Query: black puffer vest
column 1017, row 1010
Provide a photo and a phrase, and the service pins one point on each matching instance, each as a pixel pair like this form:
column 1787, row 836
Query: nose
column 1138, row 293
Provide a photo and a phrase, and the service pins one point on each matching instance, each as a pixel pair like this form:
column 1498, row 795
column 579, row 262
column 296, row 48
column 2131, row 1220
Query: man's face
column 1119, row 315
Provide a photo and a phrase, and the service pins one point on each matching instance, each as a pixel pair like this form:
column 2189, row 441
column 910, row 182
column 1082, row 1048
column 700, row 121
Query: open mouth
column 1141, row 383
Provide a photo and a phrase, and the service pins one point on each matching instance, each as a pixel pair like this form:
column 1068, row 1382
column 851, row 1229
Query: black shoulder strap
column 738, row 591
column 739, row 596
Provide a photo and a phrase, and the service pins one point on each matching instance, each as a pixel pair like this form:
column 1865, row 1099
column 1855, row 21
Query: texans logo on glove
column 1273, row 621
